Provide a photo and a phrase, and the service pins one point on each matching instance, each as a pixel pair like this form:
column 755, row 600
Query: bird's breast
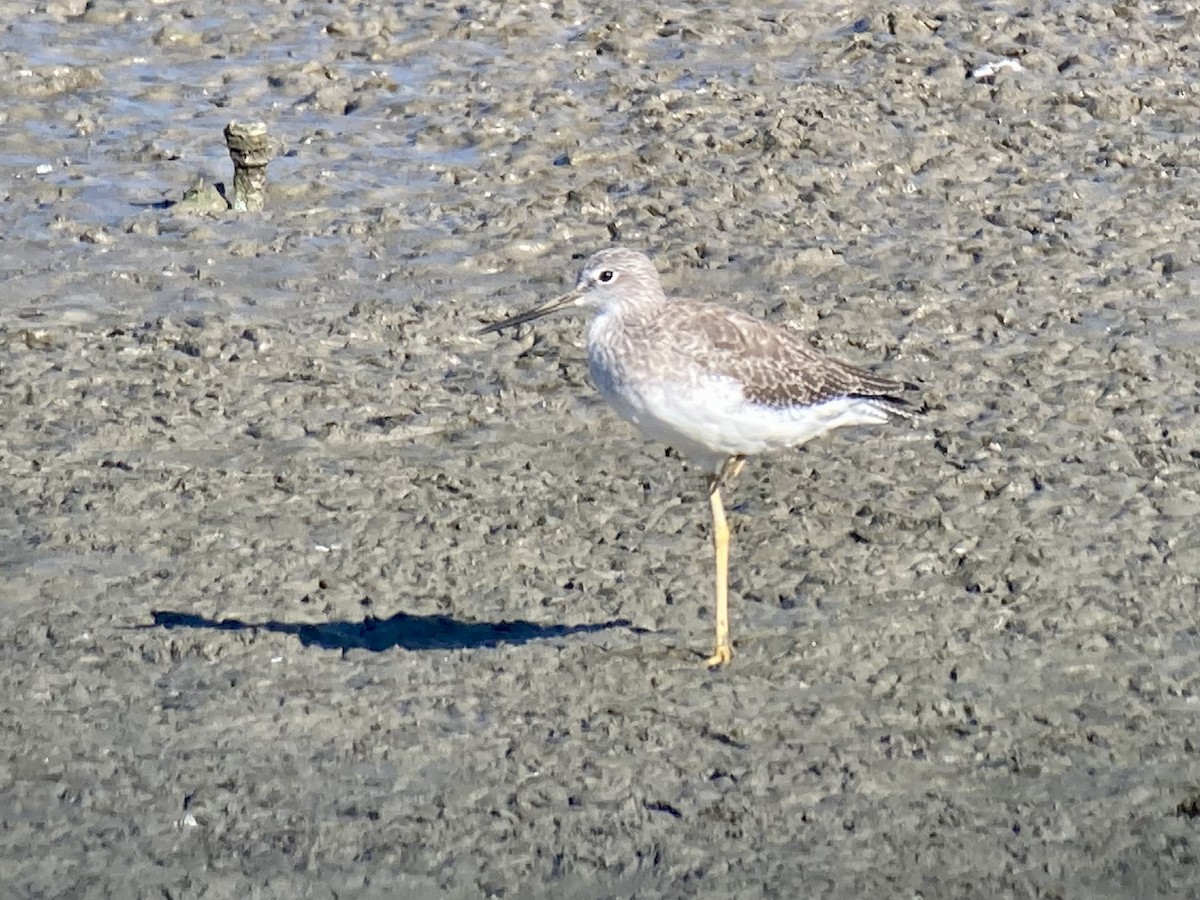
column 609, row 365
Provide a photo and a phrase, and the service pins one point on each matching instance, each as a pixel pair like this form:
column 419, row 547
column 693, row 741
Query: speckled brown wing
column 774, row 366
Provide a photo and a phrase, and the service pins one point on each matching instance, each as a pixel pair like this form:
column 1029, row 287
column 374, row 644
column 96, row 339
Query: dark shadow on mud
column 401, row 630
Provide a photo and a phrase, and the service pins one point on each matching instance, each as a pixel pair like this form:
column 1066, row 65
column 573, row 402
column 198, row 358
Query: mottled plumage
column 713, row 382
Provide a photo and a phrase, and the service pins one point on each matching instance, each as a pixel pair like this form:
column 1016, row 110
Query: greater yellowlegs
column 716, row 384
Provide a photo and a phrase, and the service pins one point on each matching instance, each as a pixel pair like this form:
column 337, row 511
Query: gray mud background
column 309, row 592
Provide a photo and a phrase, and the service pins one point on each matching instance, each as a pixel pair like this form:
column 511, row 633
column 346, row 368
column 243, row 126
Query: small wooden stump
column 248, row 148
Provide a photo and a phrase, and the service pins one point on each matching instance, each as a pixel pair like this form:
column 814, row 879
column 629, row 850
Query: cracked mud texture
column 309, row 592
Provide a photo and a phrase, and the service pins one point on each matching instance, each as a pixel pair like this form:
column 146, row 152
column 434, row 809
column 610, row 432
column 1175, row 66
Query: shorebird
column 713, row 382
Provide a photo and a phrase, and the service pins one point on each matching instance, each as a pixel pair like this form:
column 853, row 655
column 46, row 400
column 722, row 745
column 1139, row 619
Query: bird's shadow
column 405, row 631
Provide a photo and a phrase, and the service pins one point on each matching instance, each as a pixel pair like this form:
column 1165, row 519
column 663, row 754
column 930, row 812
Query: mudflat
column 309, row 591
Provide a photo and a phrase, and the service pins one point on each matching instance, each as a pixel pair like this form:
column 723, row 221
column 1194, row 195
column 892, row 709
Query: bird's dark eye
column 606, row 276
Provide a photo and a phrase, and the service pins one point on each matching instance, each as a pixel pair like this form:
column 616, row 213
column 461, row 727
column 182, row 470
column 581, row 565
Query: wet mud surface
column 310, row 592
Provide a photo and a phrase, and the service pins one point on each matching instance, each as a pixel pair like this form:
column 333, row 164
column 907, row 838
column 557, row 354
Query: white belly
column 707, row 418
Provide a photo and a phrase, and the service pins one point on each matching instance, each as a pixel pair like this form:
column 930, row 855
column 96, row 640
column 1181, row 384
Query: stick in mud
column 248, row 148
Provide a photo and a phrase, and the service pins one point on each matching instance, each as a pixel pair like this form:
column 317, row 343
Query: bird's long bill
column 551, row 306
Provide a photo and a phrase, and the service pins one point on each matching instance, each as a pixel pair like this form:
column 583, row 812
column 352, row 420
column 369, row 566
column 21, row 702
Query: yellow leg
column 724, row 651
column 730, row 469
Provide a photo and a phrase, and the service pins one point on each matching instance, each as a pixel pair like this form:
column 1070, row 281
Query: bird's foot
column 721, row 656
